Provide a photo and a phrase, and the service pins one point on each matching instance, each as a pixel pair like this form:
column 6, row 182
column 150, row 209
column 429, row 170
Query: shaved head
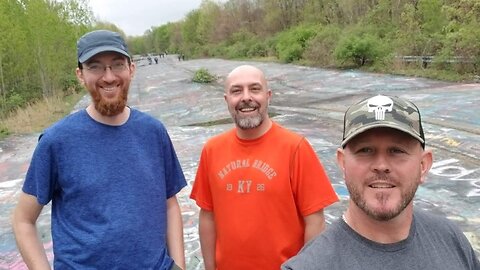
column 242, row 71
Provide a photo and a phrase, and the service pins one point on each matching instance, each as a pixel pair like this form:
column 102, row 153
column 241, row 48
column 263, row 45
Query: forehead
column 382, row 134
column 245, row 76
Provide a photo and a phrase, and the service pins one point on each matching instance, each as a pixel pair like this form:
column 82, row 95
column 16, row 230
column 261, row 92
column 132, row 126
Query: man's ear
column 133, row 69
column 80, row 77
column 341, row 160
column 426, row 164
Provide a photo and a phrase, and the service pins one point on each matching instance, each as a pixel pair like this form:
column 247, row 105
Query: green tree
column 292, row 43
column 190, row 36
column 358, row 50
column 37, row 48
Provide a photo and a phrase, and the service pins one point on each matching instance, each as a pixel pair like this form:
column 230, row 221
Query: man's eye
column 396, row 151
column 95, row 67
column 118, row 66
column 365, row 150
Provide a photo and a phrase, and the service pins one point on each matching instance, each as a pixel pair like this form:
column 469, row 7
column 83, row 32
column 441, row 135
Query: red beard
column 109, row 108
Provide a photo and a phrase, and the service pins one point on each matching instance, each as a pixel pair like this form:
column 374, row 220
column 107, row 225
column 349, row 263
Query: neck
column 254, row 133
column 115, row 120
column 384, row 232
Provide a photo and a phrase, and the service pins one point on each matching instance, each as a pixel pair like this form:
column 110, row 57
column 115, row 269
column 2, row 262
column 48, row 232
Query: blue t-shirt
column 108, row 186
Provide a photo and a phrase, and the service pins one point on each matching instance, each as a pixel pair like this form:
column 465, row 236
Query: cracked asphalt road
column 307, row 100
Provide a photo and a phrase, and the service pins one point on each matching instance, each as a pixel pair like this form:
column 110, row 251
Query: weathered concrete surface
column 307, row 100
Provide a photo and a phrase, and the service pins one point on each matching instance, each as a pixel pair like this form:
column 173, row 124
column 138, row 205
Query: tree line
column 328, row 33
column 37, row 49
column 38, row 37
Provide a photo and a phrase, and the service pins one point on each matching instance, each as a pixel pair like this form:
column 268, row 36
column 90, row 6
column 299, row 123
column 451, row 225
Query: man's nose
column 381, row 163
column 108, row 75
column 246, row 95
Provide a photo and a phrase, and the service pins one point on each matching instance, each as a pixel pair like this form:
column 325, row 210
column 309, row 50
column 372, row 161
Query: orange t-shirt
column 259, row 191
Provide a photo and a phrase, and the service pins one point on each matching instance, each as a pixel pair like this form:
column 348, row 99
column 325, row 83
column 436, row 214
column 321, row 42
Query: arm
column 207, row 238
column 24, row 218
column 175, row 232
column 314, row 225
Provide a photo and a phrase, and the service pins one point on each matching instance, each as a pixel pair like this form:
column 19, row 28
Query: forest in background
column 381, row 35
column 38, row 38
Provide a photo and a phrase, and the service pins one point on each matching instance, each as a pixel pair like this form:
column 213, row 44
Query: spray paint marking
column 448, row 168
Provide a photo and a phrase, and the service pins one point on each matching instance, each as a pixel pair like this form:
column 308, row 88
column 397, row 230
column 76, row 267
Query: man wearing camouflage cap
column 383, row 160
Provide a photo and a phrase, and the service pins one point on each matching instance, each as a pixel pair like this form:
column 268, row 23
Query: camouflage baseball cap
column 382, row 111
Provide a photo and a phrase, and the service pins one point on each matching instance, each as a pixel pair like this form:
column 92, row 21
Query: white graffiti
column 446, row 168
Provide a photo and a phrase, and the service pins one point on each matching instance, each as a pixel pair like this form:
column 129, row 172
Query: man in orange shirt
column 260, row 187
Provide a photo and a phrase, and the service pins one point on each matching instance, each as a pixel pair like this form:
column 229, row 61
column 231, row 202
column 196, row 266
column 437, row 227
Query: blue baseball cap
column 99, row 41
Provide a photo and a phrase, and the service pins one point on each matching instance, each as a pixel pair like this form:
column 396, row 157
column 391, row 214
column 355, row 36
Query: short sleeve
column 42, row 172
column 201, row 192
column 312, row 188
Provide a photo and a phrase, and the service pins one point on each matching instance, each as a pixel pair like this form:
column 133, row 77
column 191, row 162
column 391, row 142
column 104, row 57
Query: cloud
column 135, row 17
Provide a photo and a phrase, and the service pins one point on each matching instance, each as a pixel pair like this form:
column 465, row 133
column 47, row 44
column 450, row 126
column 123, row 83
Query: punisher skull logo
column 379, row 105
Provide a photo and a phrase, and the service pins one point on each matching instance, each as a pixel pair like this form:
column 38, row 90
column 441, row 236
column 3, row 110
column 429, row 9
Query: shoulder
column 221, row 139
column 287, row 139
column 142, row 118
column 143, row 123
column 67, row 125
column 286, row 133
column 425, row 218
column 444, row 235
column 437, row 226
column 320, row 250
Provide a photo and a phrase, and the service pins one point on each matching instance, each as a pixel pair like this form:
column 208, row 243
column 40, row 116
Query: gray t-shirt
column 433, row 243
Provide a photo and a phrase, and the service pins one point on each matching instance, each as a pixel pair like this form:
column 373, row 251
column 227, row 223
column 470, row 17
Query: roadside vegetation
column 436, row 39
column 38, row 56
column 38, row 115
column 202, row 75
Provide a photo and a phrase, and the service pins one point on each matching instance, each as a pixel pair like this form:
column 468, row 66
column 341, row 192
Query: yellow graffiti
column 451, row 142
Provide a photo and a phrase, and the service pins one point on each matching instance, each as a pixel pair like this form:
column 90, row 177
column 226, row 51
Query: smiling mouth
column 246, row 110
column 109, row 89
column 381, row 185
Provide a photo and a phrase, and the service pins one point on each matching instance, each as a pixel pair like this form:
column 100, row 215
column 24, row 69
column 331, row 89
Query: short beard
column 248, row 122
column 110, row 108
column 357, row 198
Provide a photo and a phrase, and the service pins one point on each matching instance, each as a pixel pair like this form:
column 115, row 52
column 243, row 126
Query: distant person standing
column 261, row 188
column 383, row 160
column 111, row 173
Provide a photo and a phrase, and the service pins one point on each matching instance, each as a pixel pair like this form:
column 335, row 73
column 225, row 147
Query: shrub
column 202, row 75
column 359, row 50
column 4, row 132
column 15, row 100
column 70, row 85
column 292, row 43
column 258, row 49
column 320, row 49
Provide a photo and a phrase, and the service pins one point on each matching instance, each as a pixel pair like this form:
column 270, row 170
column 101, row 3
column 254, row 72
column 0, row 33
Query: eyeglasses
column 100, row 69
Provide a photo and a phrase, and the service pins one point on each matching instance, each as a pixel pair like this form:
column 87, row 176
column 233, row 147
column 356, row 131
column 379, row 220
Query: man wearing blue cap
column 383, row 160
column 111, row 173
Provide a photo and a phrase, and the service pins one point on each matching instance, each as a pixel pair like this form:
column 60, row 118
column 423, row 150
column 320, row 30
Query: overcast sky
column 134, row 17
